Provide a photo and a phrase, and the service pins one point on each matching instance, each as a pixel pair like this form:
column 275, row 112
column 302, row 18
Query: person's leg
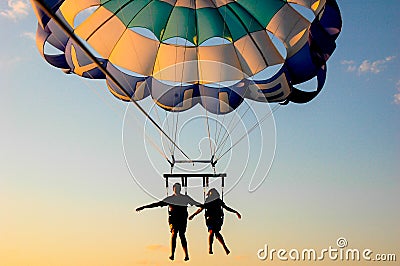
column 221, row 240
column 184, row 243
column 210, row 241
column 173, row 243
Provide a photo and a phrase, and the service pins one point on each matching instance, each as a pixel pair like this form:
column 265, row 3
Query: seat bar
column 180, row 175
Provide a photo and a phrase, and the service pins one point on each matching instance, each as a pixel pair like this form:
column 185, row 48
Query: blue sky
column 336, row 169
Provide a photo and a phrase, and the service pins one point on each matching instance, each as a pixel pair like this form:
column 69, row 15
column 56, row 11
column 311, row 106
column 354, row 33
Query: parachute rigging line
column 160, row 151
column 91, row 87
column 103, row 69
column 250, row 130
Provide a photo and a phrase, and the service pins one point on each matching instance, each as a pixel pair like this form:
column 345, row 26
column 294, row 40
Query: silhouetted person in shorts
column 214, row 218
column 177, row 216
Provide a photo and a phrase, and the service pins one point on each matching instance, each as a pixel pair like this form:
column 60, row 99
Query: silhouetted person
column 214, row 215
column 177, row 216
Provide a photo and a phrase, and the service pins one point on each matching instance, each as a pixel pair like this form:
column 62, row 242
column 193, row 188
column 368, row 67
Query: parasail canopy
column 178, row 51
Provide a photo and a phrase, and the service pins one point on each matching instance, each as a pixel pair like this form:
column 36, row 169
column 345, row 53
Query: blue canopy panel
column 49, row 33
column 310, row 61
column 222, row 100
column 80, row 64
column 136, row 88
column 174, row 98
column 275, row 89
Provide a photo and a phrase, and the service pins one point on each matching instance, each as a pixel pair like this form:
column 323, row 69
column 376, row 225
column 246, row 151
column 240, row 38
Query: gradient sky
column 67, row 197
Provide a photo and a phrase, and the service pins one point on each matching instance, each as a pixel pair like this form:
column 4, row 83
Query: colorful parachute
column 173, row 50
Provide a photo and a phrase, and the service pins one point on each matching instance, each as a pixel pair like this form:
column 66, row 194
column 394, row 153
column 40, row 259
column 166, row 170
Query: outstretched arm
column 193, row 202
column 232, row 210
column 199, row 210
column 152, row 205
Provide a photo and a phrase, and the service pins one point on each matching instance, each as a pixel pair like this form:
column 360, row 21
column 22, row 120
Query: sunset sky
column 68, row 191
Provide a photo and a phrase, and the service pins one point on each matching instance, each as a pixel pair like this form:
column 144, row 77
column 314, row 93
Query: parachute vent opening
column 129, row 72
column 309, row 85
column 215, row 41
column 50, row 49
column 83, row 15
column 267, row 73
column 179, row 41
column 144, row 32
column 278, row 44
column 304, row 11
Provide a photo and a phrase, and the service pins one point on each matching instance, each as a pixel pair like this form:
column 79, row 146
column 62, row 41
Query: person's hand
column 191, row 217
column 238, row 215
column 139, row 209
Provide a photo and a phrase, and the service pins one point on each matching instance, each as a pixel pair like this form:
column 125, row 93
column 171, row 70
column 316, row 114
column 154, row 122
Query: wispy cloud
column 29, row 35
column 367, row 66
column 397, row 95
column 16, row 9
column 350, row 64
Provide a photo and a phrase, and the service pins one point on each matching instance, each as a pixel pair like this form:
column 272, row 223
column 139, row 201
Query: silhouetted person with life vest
column 214, row 215
column 177, row 216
